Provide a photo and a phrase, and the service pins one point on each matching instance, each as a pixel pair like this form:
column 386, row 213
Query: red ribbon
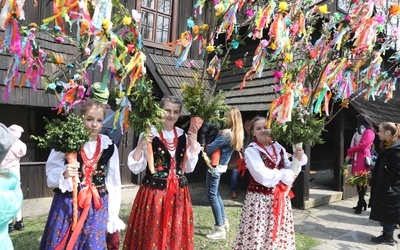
column 279, row 206
column 172, row 189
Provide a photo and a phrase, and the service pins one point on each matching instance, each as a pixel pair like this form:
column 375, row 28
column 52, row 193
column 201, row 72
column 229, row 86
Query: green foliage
column 65, row 136
column 199, row 102
column 145, row 109
column 302, row 128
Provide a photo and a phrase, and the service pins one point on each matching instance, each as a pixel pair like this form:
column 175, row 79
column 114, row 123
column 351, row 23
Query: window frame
column 172, row 33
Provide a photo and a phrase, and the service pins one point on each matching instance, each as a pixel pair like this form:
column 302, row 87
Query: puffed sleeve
column 113, row 184
column 55, row 167
column 261, row 174
column 192, row 158
column 19, row 148
column 138, row 166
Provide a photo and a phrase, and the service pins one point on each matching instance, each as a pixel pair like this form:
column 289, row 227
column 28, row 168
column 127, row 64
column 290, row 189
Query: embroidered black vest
column 162, row 160
column 254, row 186
column 99, row 174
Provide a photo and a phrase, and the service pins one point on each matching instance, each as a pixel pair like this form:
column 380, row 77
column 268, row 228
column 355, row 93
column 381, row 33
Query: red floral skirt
column 145, row 227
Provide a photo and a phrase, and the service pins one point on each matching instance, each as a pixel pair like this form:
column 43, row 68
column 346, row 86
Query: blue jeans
column 234, row 180
column 217, row 205
column 388, row 227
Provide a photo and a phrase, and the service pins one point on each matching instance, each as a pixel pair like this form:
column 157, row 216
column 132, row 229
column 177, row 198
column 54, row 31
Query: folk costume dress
column 99, row 198
column 265, row 224
column 162, row 215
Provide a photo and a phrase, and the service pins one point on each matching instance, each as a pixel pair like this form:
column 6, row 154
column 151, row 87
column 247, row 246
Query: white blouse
column 55, row 167
column 138, row 166
column 266, row 176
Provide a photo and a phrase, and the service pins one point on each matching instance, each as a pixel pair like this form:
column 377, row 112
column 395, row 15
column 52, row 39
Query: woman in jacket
column 385, row 183
column 360, row 148
column 227, row 140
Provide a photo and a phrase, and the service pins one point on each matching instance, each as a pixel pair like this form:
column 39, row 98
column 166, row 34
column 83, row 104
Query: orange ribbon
column 85, row 197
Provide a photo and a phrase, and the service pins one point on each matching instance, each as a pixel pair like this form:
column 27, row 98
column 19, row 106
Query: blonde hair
column 235, row 124
column 393, row 128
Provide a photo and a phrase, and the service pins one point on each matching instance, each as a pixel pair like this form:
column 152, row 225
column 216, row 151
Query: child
column 99, row 187
column 207, row 134
column 11, row 163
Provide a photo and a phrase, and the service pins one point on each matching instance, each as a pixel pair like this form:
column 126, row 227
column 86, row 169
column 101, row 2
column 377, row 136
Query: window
column 156, row 20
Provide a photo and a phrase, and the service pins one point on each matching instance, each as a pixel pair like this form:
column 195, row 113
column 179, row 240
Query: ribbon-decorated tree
column 318, row 58
column 101, row 42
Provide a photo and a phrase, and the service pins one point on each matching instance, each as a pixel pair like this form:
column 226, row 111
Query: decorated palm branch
column 101, row 42
column 67, row 136
column 145, row 112
column 318, row 58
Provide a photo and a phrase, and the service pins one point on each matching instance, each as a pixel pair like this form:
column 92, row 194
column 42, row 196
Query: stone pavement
column 335, row 224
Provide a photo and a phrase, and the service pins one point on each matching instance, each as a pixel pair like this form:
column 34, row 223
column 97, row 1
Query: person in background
column 235, row 173
column 385, row 183
column 10, row 191
column 360, row 147
column 101, row 94
column 207, row 133
column 11, row 163
column 267, row 219
column 162, row 214
column 100, row 186
column 228, row 140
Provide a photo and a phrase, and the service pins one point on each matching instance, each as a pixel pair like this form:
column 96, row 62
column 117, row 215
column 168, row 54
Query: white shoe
column 218, row 233
column 226, row 225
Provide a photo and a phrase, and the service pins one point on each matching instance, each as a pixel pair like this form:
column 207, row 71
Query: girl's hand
column 192, row 138
column 299, row 153
column 71, row 170
column 146, row 138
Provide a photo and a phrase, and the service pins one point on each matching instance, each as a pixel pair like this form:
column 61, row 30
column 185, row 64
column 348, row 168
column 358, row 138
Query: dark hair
column 256, row 119
column 89, row 103
column 364, row 120
column 171, row 99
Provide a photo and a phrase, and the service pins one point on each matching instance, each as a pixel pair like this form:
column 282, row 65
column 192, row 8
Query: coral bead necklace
column 171, row 146
column 91, row 162
column 274, row 156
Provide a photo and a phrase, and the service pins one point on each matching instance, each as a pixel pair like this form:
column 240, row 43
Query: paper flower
column 239, row 63
column 136, row 15
column 283, row 7
column 127, row 20
column 323, row 9
column 210, row 48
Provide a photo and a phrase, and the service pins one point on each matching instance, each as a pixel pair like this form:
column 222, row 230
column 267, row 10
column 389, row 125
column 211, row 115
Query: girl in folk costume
column 267, row 219
column 360, row 148
column 99, row 194
column 162, row 215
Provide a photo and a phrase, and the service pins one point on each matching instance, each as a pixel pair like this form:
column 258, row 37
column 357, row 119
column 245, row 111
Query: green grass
column 30, row 237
